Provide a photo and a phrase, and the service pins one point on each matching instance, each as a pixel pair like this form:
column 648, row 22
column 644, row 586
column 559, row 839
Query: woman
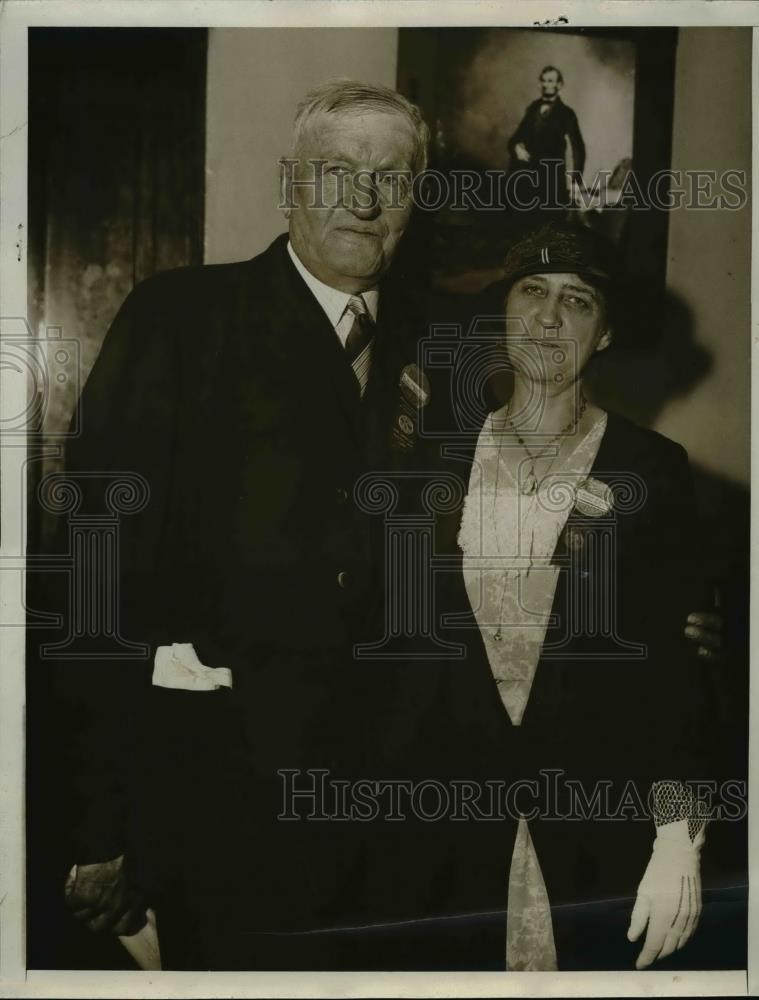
column 576, row 555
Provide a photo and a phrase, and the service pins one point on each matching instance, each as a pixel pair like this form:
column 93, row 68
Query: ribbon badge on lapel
column 413, row 396
column 594, row 498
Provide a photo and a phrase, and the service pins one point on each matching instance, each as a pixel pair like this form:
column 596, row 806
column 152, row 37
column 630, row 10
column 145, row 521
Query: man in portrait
column 548, row 131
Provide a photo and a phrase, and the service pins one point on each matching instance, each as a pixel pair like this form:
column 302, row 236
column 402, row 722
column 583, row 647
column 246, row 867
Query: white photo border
column 16, row 16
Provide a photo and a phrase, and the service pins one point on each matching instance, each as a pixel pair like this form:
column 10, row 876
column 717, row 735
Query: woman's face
column 555, row 323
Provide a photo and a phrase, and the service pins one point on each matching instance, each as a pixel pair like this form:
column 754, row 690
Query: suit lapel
column 618, row 456
column 304, row 342
column 379, row 397
column 608, row 450
column 554, row 678
column 309, row 341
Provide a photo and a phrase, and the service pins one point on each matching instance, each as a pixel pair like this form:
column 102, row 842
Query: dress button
column 341, row 494
column 343, row 579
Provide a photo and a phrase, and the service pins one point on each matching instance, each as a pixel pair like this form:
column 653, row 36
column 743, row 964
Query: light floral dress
column 508, row 539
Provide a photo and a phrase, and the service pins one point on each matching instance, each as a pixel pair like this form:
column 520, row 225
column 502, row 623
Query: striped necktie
column 359, row 341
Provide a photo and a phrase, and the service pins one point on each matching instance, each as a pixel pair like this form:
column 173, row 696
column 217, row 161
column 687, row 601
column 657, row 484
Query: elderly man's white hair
column 353, row 96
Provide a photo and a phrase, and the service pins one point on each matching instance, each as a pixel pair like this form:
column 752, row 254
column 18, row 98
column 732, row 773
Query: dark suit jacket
column 545, row 135
column 227, row 389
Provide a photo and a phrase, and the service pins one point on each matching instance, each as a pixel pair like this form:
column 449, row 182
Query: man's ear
column 286, row 174
column 605, row 339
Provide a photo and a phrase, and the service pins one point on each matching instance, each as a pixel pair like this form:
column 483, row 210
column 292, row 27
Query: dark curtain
column 116, row 193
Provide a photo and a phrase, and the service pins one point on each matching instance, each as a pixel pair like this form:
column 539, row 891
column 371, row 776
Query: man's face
column 557, row 322
column 346, row 230
column 549, row 83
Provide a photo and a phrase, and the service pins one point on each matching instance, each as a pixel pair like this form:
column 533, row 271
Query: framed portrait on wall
column 580, row 118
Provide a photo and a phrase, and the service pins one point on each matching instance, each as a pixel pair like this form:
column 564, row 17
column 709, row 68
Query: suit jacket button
column 343, row 579
column 341, row 494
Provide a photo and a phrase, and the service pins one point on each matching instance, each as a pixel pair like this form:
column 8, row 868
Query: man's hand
column 705, row 628
column 668, row 903
column 521, row 152
column 99, row 895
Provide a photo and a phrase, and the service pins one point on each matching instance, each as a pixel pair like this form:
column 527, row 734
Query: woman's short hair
column 354, row 96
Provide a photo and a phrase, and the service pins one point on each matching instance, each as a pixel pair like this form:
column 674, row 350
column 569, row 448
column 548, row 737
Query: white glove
column 669, row 895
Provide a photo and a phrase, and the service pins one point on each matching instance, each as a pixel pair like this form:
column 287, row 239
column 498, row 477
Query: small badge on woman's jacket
column 594, row 498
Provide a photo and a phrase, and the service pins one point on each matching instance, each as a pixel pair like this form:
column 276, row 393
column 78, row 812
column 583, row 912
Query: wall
column 255, row 79
column 710, row 251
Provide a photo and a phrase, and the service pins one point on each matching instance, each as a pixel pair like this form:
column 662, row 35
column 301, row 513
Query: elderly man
column 251, row 397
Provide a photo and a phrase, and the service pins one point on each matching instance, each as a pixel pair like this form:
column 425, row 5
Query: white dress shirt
column 332, row 300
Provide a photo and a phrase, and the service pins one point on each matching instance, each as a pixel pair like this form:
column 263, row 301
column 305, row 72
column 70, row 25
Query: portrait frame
column 423, row 71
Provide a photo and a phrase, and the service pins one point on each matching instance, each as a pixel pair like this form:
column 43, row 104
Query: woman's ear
column 604, row 340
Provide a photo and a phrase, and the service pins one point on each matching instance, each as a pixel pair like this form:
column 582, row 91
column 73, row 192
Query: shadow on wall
column 654, row 358
column 653, row 362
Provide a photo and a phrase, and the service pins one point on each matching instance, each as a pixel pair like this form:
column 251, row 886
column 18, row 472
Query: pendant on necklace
column 497, row 637
column 530, row 485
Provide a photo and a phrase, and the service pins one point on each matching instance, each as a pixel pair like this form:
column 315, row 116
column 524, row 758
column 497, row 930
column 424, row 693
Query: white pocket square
column 177, row 666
